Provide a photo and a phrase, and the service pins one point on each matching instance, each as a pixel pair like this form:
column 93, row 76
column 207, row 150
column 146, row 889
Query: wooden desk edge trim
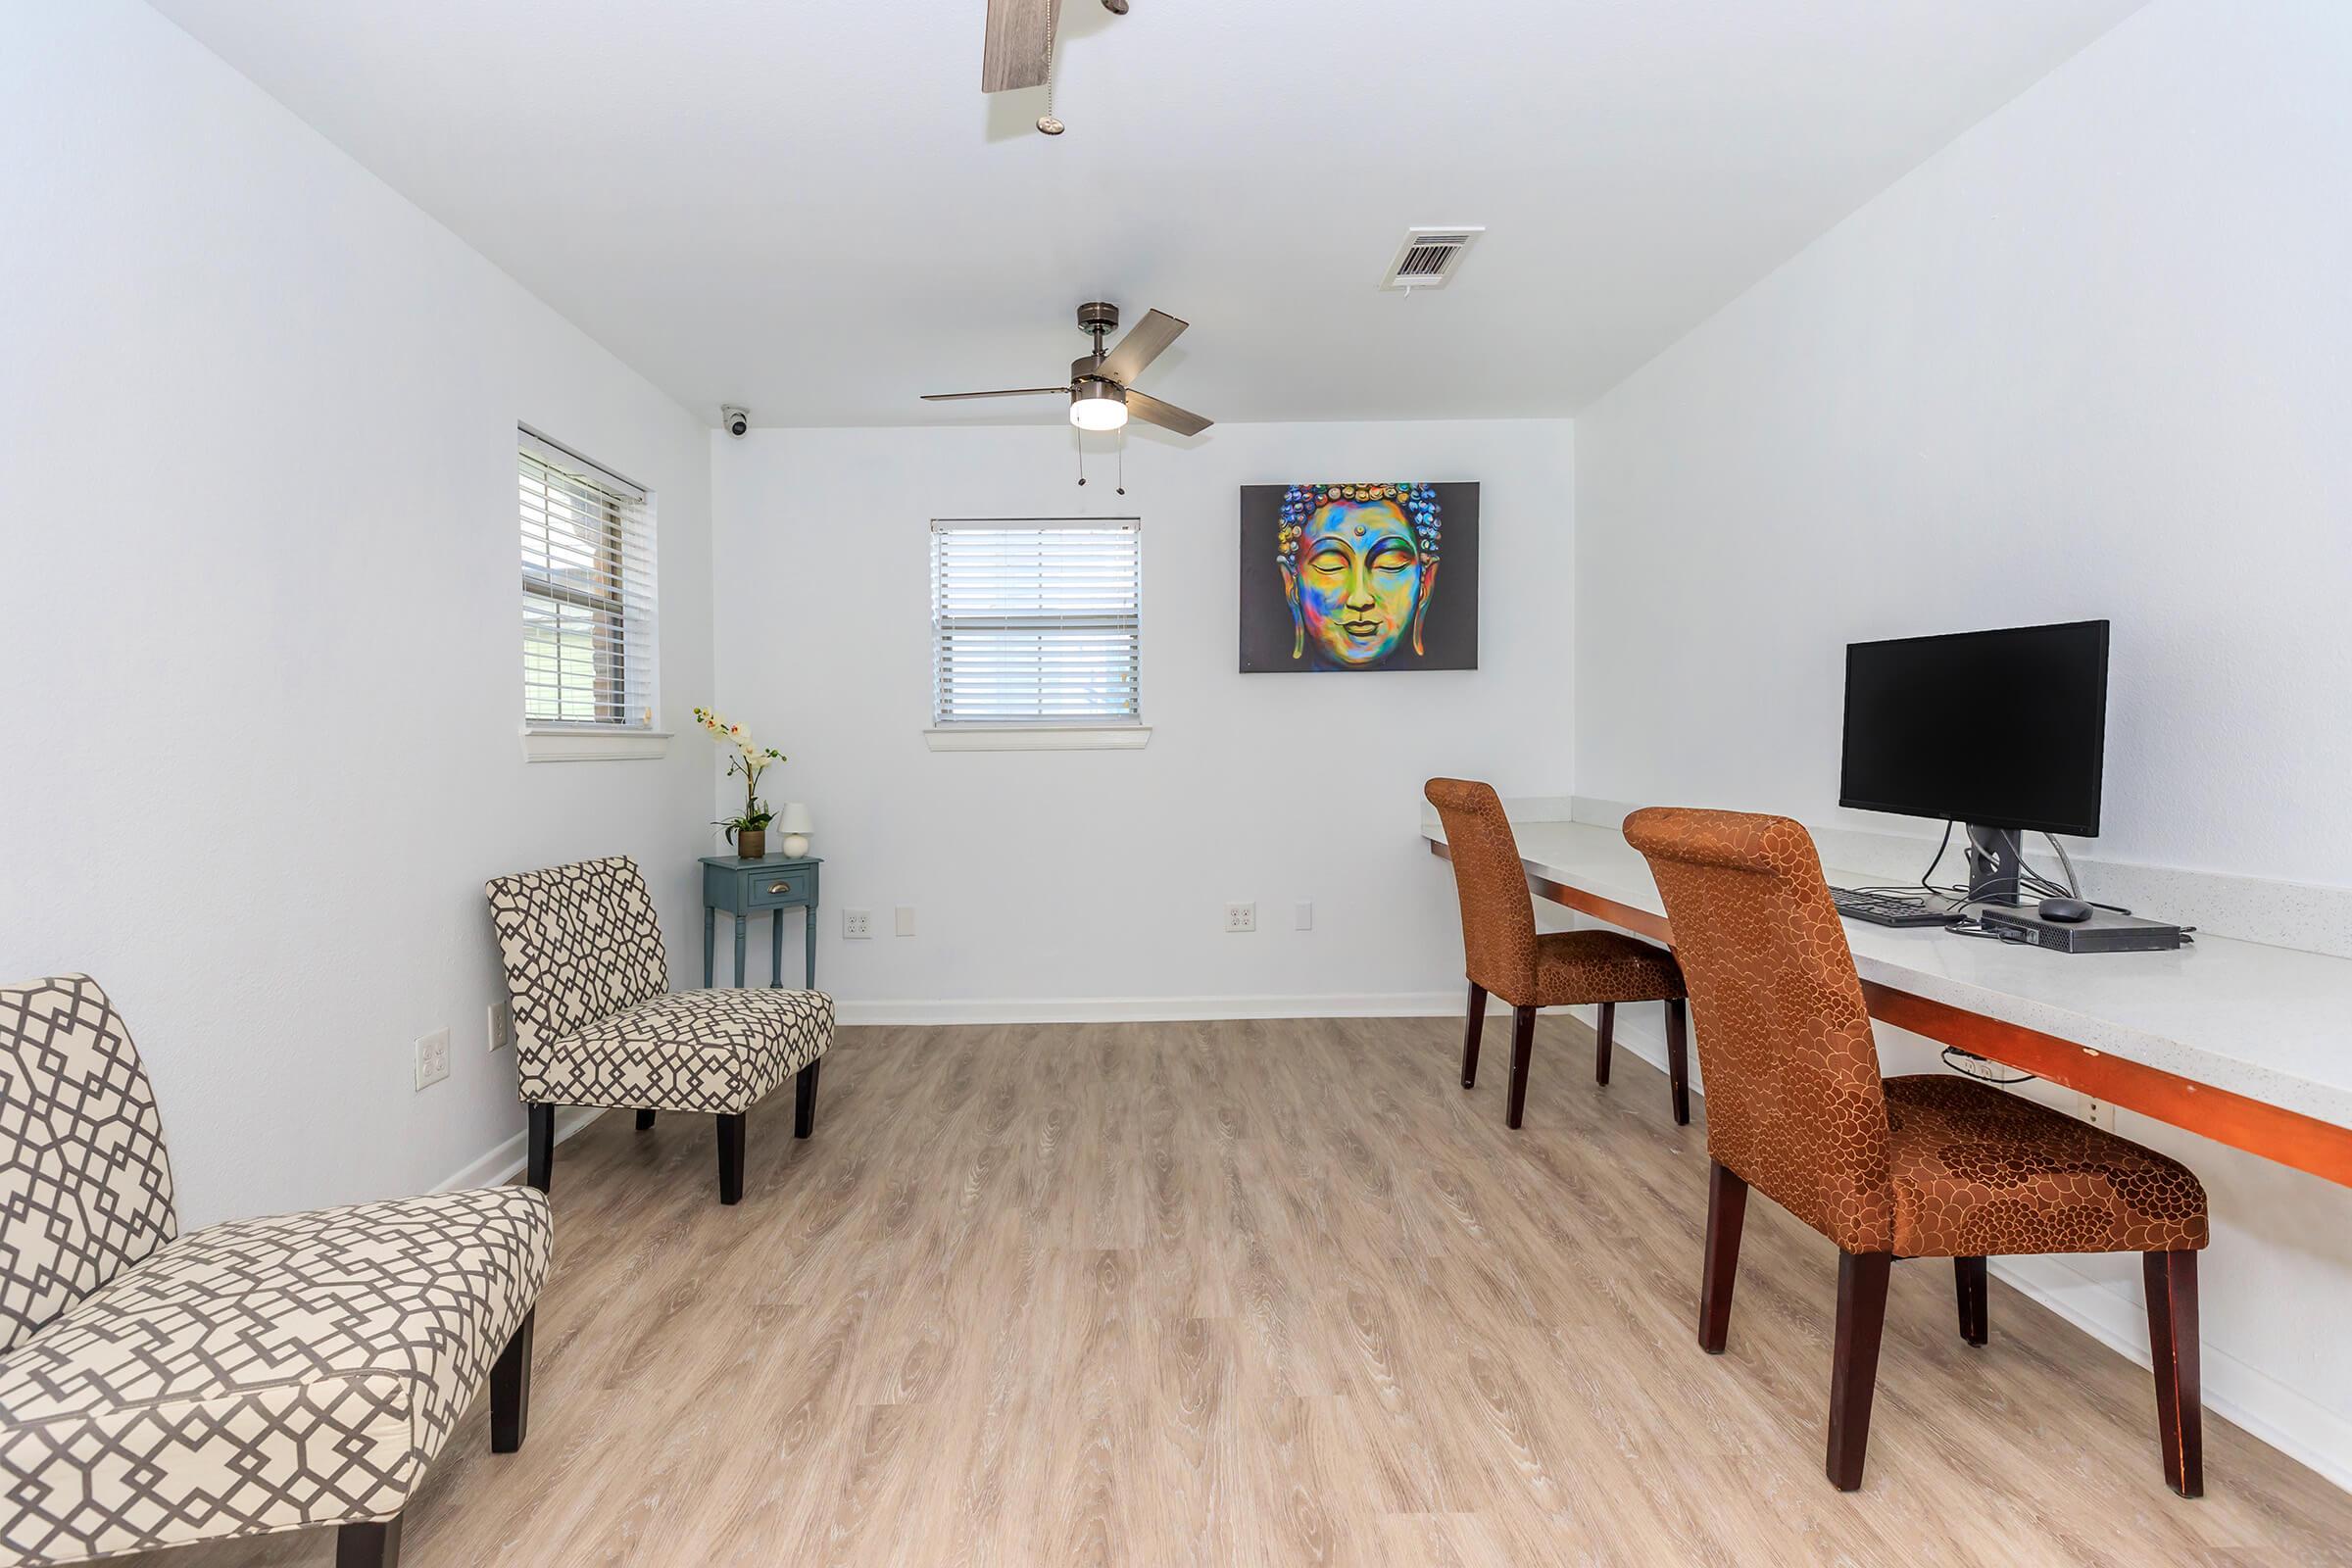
column 2223, row 1116
column 1640, row 922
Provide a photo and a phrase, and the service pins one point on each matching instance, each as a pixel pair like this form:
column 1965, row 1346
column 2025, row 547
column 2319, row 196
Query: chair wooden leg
column 804, row 1102
column 1968, row 1279
column 2172, row 1282
column 1678, row 1058
column 375, row 1545
column 510, row 1390
column 730, row 1160
column 1473, row 1025
column 1727, row 1211
column 1603, row 1037
column 645, row 1121
column 542, row 1156
column 1523, row 1048
column 1854, row 1362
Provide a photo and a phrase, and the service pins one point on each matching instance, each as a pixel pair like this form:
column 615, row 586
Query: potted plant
column 746, row 831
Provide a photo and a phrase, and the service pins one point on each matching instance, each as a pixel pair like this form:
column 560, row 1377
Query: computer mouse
column 2065, row 911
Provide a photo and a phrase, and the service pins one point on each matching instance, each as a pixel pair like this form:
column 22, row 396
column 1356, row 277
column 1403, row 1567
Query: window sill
column 584, row 744
column 1039, row 737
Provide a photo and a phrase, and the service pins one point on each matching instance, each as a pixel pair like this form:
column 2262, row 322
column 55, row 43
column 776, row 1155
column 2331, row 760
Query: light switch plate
column 905, row 916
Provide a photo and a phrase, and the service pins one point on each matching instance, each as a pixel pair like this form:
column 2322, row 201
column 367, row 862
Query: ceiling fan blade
column 1009, row 392
column 1019, row 46
column 1141, row 346
column 1167, row 416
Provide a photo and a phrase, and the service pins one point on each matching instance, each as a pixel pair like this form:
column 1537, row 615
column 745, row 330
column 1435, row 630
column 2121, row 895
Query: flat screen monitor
column 2002, row 729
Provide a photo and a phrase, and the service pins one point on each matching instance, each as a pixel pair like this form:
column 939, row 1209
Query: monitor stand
column 1995, row 861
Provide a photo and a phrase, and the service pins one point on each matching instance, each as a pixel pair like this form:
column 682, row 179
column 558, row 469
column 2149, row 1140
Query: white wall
column 2091, row 360
column 1094, row 883
column 2094, row 359
column 258, row 618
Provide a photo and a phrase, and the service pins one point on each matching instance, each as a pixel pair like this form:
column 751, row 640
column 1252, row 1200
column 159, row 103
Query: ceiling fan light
column 1099, row 405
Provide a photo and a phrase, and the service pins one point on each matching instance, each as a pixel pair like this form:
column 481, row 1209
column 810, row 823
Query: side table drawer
column 770, row 890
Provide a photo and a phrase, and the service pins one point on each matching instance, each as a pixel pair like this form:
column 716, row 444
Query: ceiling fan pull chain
column 1078, row 439
column 1122, row 459
column 1047, row 121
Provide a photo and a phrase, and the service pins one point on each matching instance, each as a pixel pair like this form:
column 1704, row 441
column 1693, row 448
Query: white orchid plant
column 748, row 759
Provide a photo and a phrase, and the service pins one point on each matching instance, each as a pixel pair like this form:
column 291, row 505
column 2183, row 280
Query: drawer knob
column 779, row 887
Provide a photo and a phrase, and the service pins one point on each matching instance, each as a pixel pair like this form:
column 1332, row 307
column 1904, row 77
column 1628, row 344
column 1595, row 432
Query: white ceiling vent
column 1429, row 257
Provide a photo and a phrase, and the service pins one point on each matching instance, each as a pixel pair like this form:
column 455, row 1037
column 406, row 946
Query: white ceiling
column 807, row 205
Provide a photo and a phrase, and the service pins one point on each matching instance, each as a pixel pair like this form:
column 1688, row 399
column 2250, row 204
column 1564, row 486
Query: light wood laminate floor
column 1266, row 1292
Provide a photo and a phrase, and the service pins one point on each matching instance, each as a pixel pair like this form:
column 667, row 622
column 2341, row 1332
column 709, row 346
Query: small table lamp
column 796, row 828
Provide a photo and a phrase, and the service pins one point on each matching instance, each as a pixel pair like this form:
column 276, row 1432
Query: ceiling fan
column 1099, row 389
column 1019, row 49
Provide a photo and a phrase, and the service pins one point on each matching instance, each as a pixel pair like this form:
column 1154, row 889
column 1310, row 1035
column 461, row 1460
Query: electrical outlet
column 1241, row 917
column 432, row 1058
column 2097, row 1113
column 1302, row 916
column 856, row 924
column 501, row 1030
column 905, row 915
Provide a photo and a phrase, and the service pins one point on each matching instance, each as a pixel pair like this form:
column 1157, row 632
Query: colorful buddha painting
column 1345, row 577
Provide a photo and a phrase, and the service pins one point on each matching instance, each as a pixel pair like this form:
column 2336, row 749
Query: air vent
column 1429, row 257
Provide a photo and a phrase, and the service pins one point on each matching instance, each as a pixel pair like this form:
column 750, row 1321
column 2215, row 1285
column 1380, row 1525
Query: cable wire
column 2064, row 861
column 1959, row 1061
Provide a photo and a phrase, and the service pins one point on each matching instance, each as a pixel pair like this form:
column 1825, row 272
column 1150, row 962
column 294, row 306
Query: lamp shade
column 794, row 819
column 1097, row 405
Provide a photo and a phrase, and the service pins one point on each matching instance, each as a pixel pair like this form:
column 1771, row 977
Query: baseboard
column 2244, row 1395
column 1641, row 1030
column 1149, row 1010
column 505, row 1161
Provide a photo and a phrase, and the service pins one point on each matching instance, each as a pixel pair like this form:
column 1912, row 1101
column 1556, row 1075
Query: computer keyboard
column 1892, row 909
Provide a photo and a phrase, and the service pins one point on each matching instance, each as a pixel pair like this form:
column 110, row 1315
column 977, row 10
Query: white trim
column 1038, row 737
column 1149, row 1010
column 505, row 1161
column 588, row 744
column 2239, row 1393
column 556, row 455
column 2250, row 1398
column 2246, row 1396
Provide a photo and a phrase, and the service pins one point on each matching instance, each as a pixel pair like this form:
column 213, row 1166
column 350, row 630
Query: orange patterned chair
column 1923, row 1166
column 1504, row 954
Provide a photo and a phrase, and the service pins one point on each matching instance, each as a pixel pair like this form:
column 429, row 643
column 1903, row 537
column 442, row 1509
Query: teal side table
column 745, row 888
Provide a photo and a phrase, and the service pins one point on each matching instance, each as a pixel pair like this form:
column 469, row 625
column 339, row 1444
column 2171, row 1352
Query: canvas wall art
column 1360, row 578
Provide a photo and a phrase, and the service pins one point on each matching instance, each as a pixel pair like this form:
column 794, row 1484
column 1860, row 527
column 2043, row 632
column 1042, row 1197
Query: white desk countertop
column 2272, row 1024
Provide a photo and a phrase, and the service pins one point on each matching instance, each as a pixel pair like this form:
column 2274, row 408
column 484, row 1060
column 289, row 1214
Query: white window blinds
column 1036, row 622
column 588, row 592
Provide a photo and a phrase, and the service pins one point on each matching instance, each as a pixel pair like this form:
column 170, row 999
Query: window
column 588, row 595
column 1036, row 632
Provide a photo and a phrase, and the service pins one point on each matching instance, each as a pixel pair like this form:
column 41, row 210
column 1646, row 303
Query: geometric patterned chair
column 1927, row 1165
column 1503, row 954
column 258, row 1376
column 597, row 1024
